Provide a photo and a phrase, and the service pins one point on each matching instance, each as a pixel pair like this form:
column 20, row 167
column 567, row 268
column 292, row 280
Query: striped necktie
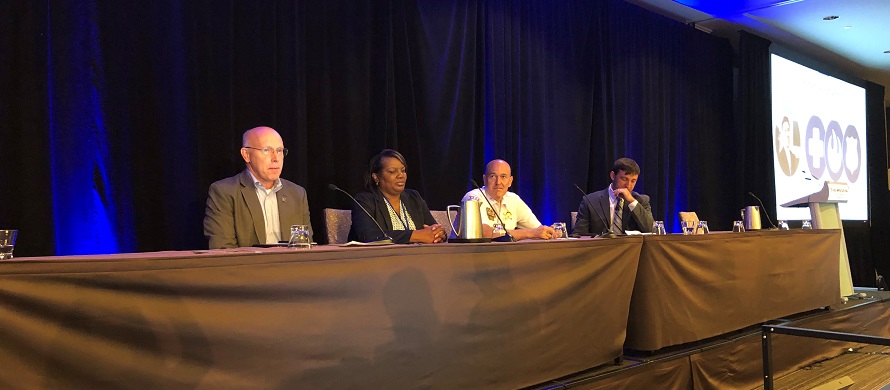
column 616, row 217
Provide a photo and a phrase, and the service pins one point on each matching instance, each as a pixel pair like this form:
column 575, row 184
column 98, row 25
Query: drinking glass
column 658, row 228
column 7, row 243
column 702, row 227
column 688, row 227
column 299, row 237
column 738, row 226
column 560, row 230
column 806, row 225
column 498, row 230
column 783, row 225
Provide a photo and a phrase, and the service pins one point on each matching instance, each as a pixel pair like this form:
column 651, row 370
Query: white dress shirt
column 269, row 203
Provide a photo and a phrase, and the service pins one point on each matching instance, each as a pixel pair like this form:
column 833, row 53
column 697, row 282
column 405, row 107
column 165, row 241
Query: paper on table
column 372, row 243
column 280, row 244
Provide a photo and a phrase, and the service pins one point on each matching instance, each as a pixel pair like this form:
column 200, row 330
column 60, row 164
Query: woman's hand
column 430, row 234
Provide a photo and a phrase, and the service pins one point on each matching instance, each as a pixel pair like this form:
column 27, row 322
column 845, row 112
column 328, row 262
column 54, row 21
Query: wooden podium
column 825, row 215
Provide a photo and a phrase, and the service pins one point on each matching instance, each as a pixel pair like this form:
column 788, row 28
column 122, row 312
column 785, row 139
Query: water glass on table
column 806, row 224
column 658, row 228
column 560, row 230
column 7, row 243
column 702, row 228
column 299, row 237
column 498, row 230
column 783, row 225
column 738, row 226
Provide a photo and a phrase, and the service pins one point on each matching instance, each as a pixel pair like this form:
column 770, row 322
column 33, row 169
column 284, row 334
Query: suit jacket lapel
column 604, row 206
column 382, row 210
column 248, row 194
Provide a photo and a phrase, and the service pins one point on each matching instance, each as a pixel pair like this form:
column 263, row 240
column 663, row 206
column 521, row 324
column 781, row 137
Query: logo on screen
column 832, row 151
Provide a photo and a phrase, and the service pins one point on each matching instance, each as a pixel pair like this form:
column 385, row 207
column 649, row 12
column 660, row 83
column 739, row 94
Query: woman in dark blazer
column 401, row 212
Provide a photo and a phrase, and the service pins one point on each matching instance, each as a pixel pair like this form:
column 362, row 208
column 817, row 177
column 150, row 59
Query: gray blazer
column 234, row 217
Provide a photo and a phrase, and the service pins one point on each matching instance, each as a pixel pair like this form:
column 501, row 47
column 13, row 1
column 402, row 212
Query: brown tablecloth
column 502, row 315
column 689, row 288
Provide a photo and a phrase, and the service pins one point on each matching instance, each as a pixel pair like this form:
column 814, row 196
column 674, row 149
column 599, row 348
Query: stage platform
column 734, row 360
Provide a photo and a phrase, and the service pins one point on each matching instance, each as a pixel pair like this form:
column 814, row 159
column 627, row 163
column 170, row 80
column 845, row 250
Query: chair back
column 337, row 222
column 442, row 219
column 574, row 219
column 689, row 216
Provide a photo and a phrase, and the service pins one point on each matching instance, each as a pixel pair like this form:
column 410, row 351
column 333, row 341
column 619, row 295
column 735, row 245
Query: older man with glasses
column 255, row 206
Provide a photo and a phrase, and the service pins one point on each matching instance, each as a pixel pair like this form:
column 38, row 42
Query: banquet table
column 689, row 288
column 502, row 315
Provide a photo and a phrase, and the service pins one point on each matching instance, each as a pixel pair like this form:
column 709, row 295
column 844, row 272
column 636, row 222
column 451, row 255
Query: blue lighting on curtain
column 725, row 8
column 550, row 210
column 681, row 198
column 83, row 206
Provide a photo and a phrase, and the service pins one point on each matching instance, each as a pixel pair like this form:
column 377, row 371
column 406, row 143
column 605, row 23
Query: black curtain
column 117, row 116
column 867, row 241
column 878, row 187
column 754, row 117
column 25, row 186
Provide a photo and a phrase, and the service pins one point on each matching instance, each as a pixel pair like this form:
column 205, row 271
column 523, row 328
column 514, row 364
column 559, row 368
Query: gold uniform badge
column 490, row 213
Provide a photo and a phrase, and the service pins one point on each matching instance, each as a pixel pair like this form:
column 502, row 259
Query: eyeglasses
column 268, row 151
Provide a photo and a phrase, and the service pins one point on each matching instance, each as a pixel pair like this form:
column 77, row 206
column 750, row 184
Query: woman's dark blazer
column 363, row 229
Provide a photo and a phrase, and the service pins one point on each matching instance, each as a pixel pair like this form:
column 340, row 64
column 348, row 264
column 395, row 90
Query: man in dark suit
column 255, row 206
column 618, row 205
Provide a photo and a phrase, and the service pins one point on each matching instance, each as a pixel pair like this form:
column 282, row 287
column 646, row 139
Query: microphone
column 606, row 232
column 387, row 239
column 506, row 237
column 764, row 210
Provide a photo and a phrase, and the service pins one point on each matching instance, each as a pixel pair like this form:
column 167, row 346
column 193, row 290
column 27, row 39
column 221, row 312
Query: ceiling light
column 832, row 17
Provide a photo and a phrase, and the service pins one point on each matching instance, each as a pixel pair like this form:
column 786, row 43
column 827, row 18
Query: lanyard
column 401, row 212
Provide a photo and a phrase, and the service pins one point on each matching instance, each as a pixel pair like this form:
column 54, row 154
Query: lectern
column 825, row 215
